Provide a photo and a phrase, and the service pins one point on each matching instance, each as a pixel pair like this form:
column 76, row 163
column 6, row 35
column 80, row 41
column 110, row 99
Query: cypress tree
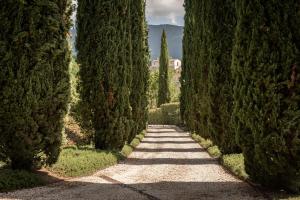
column 34, row 80
column 194, row 97
column 140, row 70
column 187, row 87
column 220, row 28
column 104, row 55
column 200, row 69
column 266, row 92
column 163, row 84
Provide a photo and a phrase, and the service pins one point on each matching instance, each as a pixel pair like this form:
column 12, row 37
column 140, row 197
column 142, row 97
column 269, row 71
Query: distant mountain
column 174, row 39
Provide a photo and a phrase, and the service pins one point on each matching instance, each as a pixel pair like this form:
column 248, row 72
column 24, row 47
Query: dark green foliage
column 140, row 70
column 220, row 30
column 187, row 88
column 201, row 69
column 19, row 179
column 104, row 55
column 167, row 114
column 163, row 82
column 34, row 80
column 153, row 88
column 194, row 98
column 267, row 90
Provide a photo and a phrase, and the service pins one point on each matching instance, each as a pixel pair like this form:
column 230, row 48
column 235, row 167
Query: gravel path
column 168, row 164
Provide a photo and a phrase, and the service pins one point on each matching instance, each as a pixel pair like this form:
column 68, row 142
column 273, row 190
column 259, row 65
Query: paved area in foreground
column 168, row 164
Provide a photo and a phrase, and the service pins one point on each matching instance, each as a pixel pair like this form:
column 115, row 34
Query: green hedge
column 18, row 179
column 166, row 114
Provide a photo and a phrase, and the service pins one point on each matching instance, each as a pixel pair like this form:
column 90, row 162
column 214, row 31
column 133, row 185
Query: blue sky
column 165, row 12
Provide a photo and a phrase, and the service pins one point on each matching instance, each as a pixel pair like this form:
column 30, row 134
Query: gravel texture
column 168, row 164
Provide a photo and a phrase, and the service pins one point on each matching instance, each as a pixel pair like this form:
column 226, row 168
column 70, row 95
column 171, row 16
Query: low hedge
column 167, row 114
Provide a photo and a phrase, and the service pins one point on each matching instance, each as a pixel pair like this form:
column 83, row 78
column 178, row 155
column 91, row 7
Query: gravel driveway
column 168, row 164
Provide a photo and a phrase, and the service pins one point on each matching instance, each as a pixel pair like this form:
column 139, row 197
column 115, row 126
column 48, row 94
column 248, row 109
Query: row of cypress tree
column 34, row 75
column 113, row 58
column 240, row 83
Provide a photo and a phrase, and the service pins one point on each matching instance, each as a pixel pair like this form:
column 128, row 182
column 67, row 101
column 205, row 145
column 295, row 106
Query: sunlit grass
column 82, row 161
column 73, row 162
column 235, row 163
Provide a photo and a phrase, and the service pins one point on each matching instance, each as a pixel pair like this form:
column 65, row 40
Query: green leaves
column 163, row 81
column 34, row 63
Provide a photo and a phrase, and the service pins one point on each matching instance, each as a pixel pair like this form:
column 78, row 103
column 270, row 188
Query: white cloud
column 165, row 11
column 160, row 11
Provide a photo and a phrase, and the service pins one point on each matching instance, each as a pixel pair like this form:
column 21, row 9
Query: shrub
column 166, row 114
column 205, row 143
column 18, row 179
column 214, row 151
column 235, row 163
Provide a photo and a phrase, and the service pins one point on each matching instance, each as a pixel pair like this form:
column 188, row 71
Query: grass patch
column 82, row 161
column 18, row 179
column 235, row 163
column 73, row 162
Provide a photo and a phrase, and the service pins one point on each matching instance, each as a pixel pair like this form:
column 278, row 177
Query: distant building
column 173, row 63
column 154, row 64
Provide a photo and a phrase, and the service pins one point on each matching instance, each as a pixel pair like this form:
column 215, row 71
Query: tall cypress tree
column 163, row 84
column 104, row 55
column 140, row 70
column 187, row 86
column 34, row 80
column 194, row 99
column 266, row 93
column 200, row 69
column 221, row 27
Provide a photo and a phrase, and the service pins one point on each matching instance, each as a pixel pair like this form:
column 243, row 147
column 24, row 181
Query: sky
column 165, row 12
column 162, row 12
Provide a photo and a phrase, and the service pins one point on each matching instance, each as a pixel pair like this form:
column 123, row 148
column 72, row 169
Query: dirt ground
column 168, row 164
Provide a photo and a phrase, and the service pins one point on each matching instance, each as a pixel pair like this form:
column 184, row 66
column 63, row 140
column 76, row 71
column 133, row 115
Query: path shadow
column 159, row 132
column 163, row 136
column 169, row 142
column 112, row 189
column 171, row 161
column 169, row 150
